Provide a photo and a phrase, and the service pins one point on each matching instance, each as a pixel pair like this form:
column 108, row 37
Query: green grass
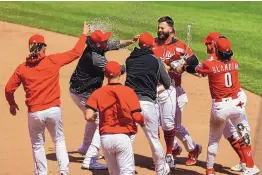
column 239, row 21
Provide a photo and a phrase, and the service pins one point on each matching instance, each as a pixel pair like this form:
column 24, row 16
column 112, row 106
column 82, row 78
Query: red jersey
column 222, row 77
column 166, row 50
column 118, row 107
column 41, row 82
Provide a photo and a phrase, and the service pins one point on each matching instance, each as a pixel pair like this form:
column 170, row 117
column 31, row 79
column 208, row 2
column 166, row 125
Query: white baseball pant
column 50, row 118
column 151, row 118
column 118, row 153
column 181, row 132
column 222, row 112
column 91, row 141
column 167, row 108
column 230, row 128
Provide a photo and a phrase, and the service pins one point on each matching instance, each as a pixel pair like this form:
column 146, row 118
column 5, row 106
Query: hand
column 13, row 109
column 86, row 28
column 93, row 118
column 135, row 38
column 179, row 69
column 90, row 119
column 167, row 67
column 142, row 125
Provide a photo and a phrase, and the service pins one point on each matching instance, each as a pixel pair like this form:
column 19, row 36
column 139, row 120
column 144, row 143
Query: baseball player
column 119, row 111
column 165, row 47
column 230, row 132
column 222, row 71
column 144, row 71
column 40, row 78
column 87, row 77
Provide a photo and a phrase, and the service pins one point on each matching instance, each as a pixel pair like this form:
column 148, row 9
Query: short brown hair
column 166, row 19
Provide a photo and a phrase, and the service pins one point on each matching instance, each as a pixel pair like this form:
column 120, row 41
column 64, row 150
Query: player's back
column 224, row 78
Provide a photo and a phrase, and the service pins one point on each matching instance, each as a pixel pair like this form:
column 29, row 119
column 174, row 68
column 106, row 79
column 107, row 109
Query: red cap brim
column 107, row 35
column 204, row 40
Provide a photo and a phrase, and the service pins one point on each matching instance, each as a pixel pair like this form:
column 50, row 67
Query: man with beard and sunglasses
column 87, row 77
column 167, row 48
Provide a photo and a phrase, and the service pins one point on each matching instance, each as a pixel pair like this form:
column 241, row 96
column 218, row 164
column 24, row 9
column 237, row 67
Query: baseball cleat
column 239, row 167
column 193, row 155
column 251, row 171
column 167, row 169
column 210, row 171
column 82, row 151
column 94, row 166
column 177, row 151
column 170, row 161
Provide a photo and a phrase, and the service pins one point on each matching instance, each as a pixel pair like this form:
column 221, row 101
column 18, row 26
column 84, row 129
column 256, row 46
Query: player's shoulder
column 100, row 91
column 179, row 42
column 208, row 62
column 21, row 66
column 127, row 89
column 233, row 60
column 180, row 45
column 211, row 57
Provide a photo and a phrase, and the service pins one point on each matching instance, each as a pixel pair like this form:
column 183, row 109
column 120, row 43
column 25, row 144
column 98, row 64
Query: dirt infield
column 15, row 147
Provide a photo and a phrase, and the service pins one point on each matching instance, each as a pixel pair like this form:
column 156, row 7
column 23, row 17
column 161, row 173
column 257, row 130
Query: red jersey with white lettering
column 222, row 77
column 168, row 49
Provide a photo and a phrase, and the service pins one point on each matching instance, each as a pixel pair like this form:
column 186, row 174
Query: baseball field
column 61, row 22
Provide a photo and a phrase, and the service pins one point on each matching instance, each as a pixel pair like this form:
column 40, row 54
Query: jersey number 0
column 228, row 80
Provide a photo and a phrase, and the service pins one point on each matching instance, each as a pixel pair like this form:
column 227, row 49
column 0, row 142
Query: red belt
column 222, row 99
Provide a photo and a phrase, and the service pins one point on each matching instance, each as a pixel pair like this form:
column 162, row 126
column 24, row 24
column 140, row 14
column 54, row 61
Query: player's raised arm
column 73, row 54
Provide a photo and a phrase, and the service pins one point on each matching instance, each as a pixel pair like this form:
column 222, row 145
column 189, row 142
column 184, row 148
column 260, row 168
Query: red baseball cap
column 113, row 69
column 146, row 39
column 98, row 36
column 223, row 44
column 211, row 37
column 36, row 39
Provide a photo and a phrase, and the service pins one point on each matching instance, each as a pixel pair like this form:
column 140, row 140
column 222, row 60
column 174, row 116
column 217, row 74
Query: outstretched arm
column 124, row 43
column 67, row 57
column 117, row 44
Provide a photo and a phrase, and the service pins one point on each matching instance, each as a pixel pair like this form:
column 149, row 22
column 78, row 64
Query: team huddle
column 152, row 98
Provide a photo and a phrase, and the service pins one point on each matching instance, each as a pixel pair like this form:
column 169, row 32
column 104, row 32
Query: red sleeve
column 11, row 86
column 203, row 68
column 135, row 108
column 138, row 118
column 92, row 102
column 133, row 102
column 67, row 57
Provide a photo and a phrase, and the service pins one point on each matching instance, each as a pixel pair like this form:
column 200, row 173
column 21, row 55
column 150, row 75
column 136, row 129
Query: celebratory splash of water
column 104, row 24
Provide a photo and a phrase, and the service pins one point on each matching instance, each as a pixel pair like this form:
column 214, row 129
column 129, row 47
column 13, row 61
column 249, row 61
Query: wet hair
column 225, row 56
column 166, row 19
column 35, row 49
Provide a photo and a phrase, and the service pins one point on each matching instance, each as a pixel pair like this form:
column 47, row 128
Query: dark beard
column 163, row 35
